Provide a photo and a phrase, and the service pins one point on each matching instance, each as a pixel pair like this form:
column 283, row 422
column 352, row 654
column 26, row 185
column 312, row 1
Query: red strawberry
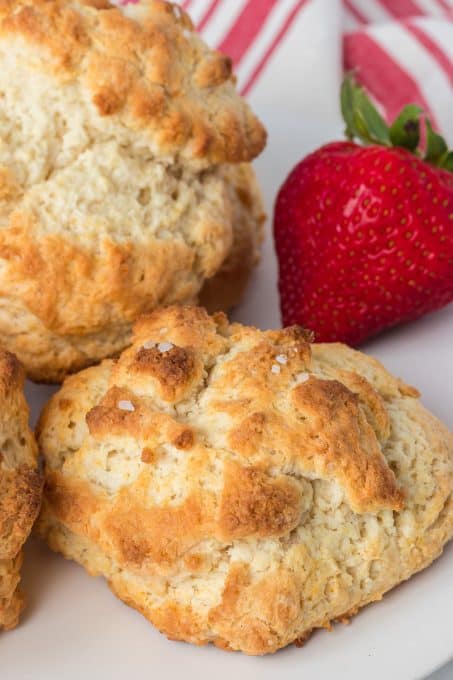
column 364, row 234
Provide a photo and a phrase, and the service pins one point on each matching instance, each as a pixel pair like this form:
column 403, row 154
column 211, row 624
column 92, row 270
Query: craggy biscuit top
column 143, row 68
column 122, row 186
column 243, row 486
column 250, row 413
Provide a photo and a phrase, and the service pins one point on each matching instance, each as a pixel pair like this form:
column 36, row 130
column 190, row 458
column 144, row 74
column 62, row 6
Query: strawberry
column 364, row 234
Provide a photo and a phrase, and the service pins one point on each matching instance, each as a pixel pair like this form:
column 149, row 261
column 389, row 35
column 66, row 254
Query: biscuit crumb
column 147, row 456
column 184, row 440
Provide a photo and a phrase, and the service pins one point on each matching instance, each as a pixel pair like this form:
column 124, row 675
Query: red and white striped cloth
column 403, row 51
column 289, row 53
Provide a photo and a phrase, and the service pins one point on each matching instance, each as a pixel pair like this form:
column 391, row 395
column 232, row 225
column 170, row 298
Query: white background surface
column 75, row 628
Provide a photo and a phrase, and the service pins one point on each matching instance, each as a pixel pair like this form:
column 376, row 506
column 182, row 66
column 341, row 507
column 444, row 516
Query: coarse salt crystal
column 281, row 358
column 165, row 346
column 126, row 405
column 275, row 368
column 302, row 377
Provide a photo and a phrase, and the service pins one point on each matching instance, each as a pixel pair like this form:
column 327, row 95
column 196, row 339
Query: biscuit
column 20, row 486
column 226, row 288
column 124, row 176
column 243, row 487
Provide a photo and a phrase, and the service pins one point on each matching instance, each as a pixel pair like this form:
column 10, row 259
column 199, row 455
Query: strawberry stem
column 405, row 130
column 364, row 122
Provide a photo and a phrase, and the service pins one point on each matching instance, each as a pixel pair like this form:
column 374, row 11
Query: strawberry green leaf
column 374, row 125
column 447, row 161
column 436, row 147
column 347, row 106
column 405, row 130
column 362, row 118
column 364, row 122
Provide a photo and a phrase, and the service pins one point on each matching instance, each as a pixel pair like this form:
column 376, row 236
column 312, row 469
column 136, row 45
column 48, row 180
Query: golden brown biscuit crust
column 74, row 304
column 243, row 487
column 122, row 186
column 20, row 485
column 148, row 69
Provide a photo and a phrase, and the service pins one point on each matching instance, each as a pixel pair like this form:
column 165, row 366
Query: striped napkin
column 291, row 53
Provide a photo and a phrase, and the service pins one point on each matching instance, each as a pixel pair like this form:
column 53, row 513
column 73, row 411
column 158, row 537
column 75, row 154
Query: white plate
column 75, row 628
